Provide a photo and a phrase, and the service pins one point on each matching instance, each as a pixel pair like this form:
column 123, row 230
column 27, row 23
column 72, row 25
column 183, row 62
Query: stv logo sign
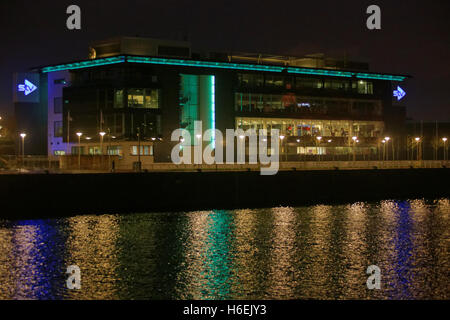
column 27, row 88
column 399, row 93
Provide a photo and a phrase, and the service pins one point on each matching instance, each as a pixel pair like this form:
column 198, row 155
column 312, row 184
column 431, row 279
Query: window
column 308, row 83
column 115, row 151
column 58, row 105
column 77, row 150
column 60, row 81
column 58, row 129
column 118, row 98
column 143, row 98
column 94, row 151
column 337, row 85
column 59, row 153
column 363, row 87
column 274, row 81
column 145, row 150
column 250, row 80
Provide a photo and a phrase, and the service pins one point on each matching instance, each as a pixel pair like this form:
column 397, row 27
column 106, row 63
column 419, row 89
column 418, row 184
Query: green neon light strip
column 85, row 64
column 331, row 73
column 213, row 109
column 379, row 76
column 205, row 64
column 220, row 65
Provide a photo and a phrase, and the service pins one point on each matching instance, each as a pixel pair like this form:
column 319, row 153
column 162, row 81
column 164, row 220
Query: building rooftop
column 178, row 53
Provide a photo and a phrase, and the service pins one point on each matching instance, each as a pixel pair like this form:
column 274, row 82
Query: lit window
column 143, row 98
column 145, row 150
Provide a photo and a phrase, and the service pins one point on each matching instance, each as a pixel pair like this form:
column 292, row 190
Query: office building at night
column 132, row 87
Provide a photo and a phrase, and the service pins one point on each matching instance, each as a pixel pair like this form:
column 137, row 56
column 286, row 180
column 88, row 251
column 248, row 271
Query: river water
column 315, row 252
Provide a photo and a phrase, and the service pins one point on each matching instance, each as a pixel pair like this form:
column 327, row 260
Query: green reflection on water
column 319, row 252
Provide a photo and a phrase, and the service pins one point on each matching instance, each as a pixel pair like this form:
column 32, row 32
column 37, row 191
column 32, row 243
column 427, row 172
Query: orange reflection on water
column 91, row 245
column 247, row 270
column 282, row 272
column 193, row 274
column 7, row 275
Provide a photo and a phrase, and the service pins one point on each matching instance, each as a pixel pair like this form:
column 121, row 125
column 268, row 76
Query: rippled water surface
column 319, row 252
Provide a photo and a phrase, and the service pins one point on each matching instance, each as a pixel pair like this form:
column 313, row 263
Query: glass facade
column 145, row 150
column 118, row 98
column 249, row 80
column 115, row 151
column 289, row 102
column 314, row 128
column 143, row 98
column 140, row 98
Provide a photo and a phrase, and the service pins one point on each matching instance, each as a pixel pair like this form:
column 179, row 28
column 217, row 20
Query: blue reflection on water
column 403, row 248
column 38, row 240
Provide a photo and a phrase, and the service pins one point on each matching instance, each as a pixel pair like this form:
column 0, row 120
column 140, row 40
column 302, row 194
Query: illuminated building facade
column 142, row 89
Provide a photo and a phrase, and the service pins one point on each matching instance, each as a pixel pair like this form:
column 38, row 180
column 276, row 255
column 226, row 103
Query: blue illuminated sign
column 399, row 93
column 27, row 88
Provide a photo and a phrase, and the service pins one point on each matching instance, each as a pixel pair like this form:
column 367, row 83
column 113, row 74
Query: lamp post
column 384, row 149
column 23, row 135
column 445, row 148
column 102, row 134
column 319, row 139
column 139, row 148
column 79, row 134
column 354, row 145
column 418, row 143
column 282, row 147
column 387, row 139
column 332, row 150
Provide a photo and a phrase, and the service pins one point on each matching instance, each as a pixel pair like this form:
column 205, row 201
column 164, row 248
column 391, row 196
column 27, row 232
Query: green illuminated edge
column 85, row 64
column 220, row 65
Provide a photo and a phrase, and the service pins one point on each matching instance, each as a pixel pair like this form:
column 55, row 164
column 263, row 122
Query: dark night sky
column 415, row 36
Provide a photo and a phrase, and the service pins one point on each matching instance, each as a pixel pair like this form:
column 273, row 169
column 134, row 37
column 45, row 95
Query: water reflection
column 30, row 263
column 207, row 270
column 91, row 245
column 319, row 252
column 282, row 272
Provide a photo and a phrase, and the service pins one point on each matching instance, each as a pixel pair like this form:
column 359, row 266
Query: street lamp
column 387, row 147
column 282, row 147
column 445, row 148
column 79, row 134
column 23, row 135
column 418, row 142
column 102, row 134
column 354, row 151
column 319, row 139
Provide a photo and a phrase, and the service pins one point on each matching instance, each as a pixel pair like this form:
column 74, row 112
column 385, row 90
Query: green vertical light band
column 213, row 110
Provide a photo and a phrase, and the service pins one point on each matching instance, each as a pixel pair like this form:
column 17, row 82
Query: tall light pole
column 23, row 135
column 354, row 145
column 282, row 147
column 319, row 139
column 418, row 143
column 384, row 149
column 102, row 134
column 445, row 148
column 387, row 139
column 79, row 134
column 139, row 148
